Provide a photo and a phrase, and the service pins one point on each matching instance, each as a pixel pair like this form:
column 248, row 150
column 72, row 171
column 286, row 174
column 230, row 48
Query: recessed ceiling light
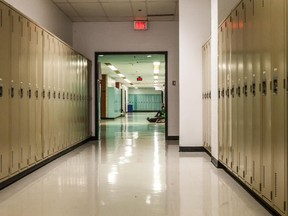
column 156, row 77
column 156, row 63
column 112, row 67
column 156, row 81
column 101, row 55
column 149, row 56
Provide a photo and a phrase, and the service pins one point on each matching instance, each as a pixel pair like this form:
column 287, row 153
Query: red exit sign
column 139, row 78
column 140, row 25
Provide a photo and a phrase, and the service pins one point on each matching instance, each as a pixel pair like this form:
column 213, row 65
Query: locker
column 248, row 70
column 203, row 94
column 23, row 88
column 278, row 58
column 32, row 67
column 37, row 92
column 266, row 168
column 5, row 50
column 233, row 89
column 240, row 95
column 45, row 107
column 14, row 90
column 228, row 96
column 256, row 98
column 220, row 109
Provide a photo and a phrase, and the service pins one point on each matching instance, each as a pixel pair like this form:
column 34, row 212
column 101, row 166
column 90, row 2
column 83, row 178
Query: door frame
column 97, row 86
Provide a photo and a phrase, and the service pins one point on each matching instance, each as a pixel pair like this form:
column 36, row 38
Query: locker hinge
column 271, row 195
column 260, row 187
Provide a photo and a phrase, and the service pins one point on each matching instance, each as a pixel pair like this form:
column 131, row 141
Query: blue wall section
column 114, row 102
column 145, row 102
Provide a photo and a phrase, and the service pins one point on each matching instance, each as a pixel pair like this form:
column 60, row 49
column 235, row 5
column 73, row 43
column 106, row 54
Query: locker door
column 225, row 87
column 228, row 96
column 24, row 99
column 278, row 100
column 256, row 98
column 38, row 91
column 220, row 105
column 233, row 89
column 203, row 90
column 14, row 87
column 45, row 100
column 240, row 95
column 32, row 67
column 248, row 70
column 5, row 50
column 266, row 168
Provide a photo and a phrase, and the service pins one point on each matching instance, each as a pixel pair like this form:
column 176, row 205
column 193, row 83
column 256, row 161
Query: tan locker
column 65, row 102
column 225, row 87
column 5, row 50
column 68, row 102
column 86, row 99
column 278, row 58
column 37, row 92
column 203, row 96
column 220, row 105
column 233, row 89
column 256, row 98
column 248, row 70
column 45, row 100
column 60, row 119
column 228, row 96
column 23, row 88
column 32, row 67
column 209, row 95
column 240, row 94
column 14, row 87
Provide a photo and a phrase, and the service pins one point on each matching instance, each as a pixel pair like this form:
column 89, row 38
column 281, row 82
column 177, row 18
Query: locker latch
column 245, row 90
column 49, row 94
column 264, row 88
column 63, row 95
column 232, row 92
column 67, row 95
column 1, row 90
column 43, row 93
column 227, row 93
column 275, row 86
column 222, row 93
column 254, row 89
column 12, row 92
column 54, row 94
column 219, row 93
column 239, row 91
column 59, row 95
column 21, row 92
column 29, row 93
column 36, row 93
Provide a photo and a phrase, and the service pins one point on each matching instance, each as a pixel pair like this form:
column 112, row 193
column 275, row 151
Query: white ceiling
column 132, row 66
column 119, row 10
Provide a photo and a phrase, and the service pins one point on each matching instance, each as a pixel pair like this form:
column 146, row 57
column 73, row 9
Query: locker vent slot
column 276, row 185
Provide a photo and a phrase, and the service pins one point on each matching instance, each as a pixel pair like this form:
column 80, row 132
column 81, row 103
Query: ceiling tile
column 139, row 9
column 114, row 1
column 82, row 1
column 161, row 18
column 118, row 9
column 76, row 19
column 96, row 19
column 157, row 8
column 59, row 0
column 121, row 19
column 67, row 9
column 88, row 9
column 162, row 0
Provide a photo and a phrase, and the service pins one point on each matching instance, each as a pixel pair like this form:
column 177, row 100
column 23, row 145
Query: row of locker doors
column 43, row 94
column 252, row 98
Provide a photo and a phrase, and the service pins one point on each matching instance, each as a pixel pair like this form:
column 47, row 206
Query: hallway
column 132, row 172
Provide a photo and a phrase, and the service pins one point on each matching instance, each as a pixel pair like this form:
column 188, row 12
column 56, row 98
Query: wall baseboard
column 172, row 138
column 192, row 149
column 37, row 166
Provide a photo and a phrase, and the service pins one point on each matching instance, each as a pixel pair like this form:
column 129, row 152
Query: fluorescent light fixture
column 128, row 81
column 120, row 75
column 149, row 56
column 112, row 67
column 156, row 81
column 101, row 55
column 156, row 63
column 156, row 77
column 156, row 71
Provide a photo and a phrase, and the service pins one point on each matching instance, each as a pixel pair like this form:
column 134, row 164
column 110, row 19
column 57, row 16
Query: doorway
column 124, row 71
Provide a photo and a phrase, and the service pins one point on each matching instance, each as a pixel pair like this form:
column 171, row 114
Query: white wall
column 89, row 38
column 194, row 30
column 47, row 15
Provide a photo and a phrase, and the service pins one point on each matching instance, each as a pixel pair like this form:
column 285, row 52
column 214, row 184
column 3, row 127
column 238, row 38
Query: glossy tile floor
column 132, row 172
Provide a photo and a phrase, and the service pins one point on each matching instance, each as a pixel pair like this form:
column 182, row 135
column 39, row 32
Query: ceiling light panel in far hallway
column 132, row 66
column 119, row 10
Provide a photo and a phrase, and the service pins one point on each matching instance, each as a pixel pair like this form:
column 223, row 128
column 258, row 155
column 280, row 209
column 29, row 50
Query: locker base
column 31, row 169
column 251, row 191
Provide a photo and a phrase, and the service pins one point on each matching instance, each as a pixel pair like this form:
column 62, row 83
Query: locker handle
column 227, row 92
column 71, row 96
column 245, row 89
column 275, row 86
column 63, row 95
column 1, row 91
column 54, row 94
column 239, row 91
column 209, row 95
column 59, row 95
column 219, row 93
column 222, row 93
column 264, row 88
column 36, row 94
column 29, row 93
column 12, row 92
column 43, row 94
column 21, row 92
column 254, row 89
column 49, row 94
column 67, row 95
column 233, row 92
